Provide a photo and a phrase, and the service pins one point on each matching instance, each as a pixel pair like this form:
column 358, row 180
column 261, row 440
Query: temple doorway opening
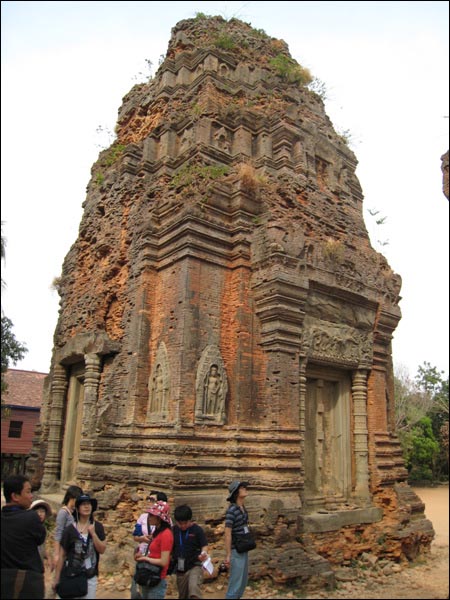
column 328, row 463
column 73, row 423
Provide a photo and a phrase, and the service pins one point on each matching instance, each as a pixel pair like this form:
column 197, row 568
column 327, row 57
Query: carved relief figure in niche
column 159, row 385
column 186, row 139
column 221, row 139
column 321, row 171
column 264, row 145
column 211, row 387
column 343, row 177
column 158, row 391
column 213, row 395
column 297, row 153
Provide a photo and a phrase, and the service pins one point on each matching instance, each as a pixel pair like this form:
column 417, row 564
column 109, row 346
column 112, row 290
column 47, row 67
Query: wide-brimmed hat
column 42, row 504
column 234, row 486
column 86, row 498
column 161, row 509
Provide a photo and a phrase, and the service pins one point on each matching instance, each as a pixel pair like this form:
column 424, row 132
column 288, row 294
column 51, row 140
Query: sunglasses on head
column 151, row 498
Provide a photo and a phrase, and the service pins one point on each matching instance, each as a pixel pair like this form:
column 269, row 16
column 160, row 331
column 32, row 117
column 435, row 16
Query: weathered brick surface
column 224, row 301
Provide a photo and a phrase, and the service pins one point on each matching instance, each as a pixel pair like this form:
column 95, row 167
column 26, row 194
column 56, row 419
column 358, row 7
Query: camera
column 223, row 568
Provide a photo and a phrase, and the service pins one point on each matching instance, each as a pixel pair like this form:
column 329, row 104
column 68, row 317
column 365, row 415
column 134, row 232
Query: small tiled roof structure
column 24, row 388
column 23, row 399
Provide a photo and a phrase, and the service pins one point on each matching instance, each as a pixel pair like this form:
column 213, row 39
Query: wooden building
column 23, row 401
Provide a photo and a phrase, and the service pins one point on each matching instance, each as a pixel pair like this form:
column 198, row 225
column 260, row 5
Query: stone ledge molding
column 333, row 521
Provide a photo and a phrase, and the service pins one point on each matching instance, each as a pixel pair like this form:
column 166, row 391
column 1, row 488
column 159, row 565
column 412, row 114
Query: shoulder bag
column 72, row 583
column 146, row 573
column 244, row 542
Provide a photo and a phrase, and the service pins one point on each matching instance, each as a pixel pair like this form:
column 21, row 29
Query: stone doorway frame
column 358, row 433
column 73, row 421
column 327, row 446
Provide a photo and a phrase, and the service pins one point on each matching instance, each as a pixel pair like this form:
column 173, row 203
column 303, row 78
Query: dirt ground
column 426, row 578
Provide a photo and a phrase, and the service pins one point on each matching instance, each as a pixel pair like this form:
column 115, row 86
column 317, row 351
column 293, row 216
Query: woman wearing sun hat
column 83, row 542
column 143, row 532
column 44, row 512
column 159, row 549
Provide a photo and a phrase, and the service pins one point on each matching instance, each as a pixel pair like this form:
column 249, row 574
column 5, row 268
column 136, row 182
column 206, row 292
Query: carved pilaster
column 302, row 403
column 279, row 304
column 360, row 432
column 57, row 397
column 91, row 381
column 387, row 321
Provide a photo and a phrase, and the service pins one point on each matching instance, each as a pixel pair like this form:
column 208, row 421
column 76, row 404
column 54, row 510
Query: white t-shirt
column 143, row 522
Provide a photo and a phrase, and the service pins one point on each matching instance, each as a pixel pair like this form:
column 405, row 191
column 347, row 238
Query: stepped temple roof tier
column 224, row 316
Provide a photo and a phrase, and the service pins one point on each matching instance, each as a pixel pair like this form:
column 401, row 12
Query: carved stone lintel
column 338, row 344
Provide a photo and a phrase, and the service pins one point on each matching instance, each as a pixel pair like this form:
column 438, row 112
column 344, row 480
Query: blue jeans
column 238, row 575
column 134, row 591
column 92, row 588
column 158, row 592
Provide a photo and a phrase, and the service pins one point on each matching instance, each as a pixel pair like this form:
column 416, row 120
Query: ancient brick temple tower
column 223, row 314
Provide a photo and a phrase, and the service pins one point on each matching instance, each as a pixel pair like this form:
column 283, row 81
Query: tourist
column 236, row 522
column 82, row 543
column 190, row 549
column 44, row 512
column 142, row 534
column 22, row 534
column 158, row 551
column 64, row 518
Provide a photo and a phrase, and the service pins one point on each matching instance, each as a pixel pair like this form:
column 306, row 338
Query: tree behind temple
column 421, row 408
column 12, row 350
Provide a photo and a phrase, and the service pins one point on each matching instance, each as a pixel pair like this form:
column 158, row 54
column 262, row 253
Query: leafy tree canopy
column 12, row 350
column 421, row 410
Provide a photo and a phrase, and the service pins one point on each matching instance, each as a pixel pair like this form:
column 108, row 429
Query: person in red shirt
column 159, row 549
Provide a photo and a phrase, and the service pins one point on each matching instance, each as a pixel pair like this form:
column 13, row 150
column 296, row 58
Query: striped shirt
column 236, row 519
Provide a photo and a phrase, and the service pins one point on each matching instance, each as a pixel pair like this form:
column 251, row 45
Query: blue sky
column 67, row 65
